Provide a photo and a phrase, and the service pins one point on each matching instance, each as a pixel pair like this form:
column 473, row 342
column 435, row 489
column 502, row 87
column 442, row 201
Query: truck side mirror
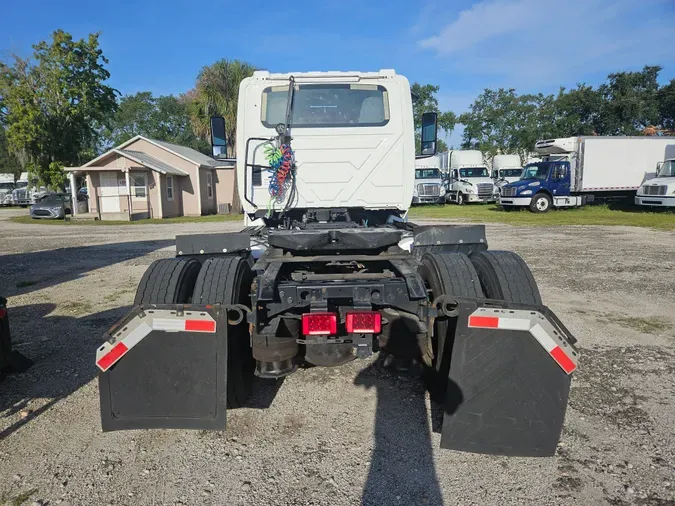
column 429, row 133
column 218, row 140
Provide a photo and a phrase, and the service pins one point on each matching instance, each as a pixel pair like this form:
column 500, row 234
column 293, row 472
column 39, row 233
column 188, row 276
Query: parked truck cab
column 429, row 186
column 470, row 179
column 506, row 169
column 661, row 190
column 541, row 185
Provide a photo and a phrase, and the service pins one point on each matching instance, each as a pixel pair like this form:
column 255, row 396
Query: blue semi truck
column 575, row 171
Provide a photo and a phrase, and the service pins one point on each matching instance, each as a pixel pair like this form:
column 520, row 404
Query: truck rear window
column 327, row 105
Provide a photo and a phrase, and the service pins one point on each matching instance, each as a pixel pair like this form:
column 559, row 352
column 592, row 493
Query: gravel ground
column 351, row 435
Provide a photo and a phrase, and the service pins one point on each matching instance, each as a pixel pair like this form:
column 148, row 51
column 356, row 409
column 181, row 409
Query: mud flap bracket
column 165, row 367
column 509, row 380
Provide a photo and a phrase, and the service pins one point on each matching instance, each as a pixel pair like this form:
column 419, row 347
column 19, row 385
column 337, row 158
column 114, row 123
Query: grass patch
column 24, row 284
column 77, row 307
column 153, row 221
column 17, row 500
column 612, row 215
column 651, row 325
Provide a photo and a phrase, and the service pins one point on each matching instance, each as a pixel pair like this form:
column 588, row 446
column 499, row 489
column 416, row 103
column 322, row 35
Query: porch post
column 73, row 192
column 128, row 181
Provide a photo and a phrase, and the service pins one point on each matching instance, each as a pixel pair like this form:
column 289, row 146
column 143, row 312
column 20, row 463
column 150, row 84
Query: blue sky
column 464, row 46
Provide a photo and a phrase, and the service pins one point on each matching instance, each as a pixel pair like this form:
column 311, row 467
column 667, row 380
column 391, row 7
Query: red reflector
column 200, row 325
column 485, row 322
column 3, row 312
column 563, row 360
column 112, row 356
column 364, row 323
column 315, row 324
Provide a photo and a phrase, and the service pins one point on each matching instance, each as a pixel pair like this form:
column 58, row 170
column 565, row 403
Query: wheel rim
column 542, row 204
column 460, row 199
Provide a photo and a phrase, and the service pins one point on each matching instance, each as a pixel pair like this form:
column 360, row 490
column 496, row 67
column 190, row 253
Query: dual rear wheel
column 222, row 280
column 500, row 275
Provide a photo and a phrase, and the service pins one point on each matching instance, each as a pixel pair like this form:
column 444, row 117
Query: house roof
column 189, row 154
column 151, row 162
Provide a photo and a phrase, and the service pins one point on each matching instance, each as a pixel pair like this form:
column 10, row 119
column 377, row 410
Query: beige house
column 146, row 178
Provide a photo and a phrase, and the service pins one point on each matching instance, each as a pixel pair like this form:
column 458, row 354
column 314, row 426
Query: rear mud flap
column 165, row 367
column 509, row 380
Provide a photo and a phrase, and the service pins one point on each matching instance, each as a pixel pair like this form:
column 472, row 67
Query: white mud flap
column 509, row 380
column 164, row 367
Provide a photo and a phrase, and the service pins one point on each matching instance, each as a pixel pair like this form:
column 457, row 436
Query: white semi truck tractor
column 470, row 179
column 328, row 271
column 506, row 169
column 659, row 192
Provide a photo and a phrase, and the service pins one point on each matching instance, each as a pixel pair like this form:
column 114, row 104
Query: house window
column 169, row 187
column 209, row 184
column 138, row 185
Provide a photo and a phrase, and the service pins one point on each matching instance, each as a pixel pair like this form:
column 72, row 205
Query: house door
column 110, row 200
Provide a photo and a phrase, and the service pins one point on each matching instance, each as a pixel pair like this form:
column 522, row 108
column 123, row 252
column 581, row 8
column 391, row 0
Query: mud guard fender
column 509, row 380
column 165, row 367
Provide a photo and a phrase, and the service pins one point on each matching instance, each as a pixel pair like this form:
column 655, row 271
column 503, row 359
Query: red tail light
column 317, row 324
column 364, row 323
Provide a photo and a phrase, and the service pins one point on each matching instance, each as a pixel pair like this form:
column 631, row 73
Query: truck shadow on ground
column 62, row 349
column 402, row 468
column 23, row 273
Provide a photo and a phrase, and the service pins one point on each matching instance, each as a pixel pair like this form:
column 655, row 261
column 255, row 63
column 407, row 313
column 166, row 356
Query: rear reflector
column 536, row 325
column 112, row 356
column 3, row 312
column 368, row 322
column 317, row 324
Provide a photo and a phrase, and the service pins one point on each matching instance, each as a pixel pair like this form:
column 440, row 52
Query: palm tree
column 216, row 94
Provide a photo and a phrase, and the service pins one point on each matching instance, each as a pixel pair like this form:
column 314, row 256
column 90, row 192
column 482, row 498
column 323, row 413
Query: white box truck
column 470, row 179
column 577, row 170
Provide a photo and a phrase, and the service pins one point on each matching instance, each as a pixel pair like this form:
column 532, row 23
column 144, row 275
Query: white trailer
column 578, row 170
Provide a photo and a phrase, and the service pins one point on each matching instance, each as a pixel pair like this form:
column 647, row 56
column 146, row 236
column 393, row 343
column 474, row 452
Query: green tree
column 8, row 162
column 424, row 100
column 52, row 101
column 666, row 101
column 629, row 102
column 578, row 111
column 501, row 121
column 216, row 94
column 165, row 118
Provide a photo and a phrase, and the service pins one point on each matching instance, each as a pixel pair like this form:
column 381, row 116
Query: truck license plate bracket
column 173, row 373
column 507, row 388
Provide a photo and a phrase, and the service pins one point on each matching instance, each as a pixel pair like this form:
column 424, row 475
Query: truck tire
column 449, row 274
column 460, row 199
column 505, row 276
column 541, row 203
column 168, row 281
column 227, row 280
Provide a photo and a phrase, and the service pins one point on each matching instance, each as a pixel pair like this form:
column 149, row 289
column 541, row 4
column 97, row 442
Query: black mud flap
column 509, row 380
column 164, row 367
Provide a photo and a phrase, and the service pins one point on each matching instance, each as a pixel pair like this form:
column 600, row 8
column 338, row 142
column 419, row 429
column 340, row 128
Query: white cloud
column 540, row 42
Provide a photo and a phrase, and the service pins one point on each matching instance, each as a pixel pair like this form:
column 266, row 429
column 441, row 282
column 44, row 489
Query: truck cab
column 6, row 188
column 429, row 186
column 469, row 178
column 660, row 191
column 542, row 185
column 506, row 169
